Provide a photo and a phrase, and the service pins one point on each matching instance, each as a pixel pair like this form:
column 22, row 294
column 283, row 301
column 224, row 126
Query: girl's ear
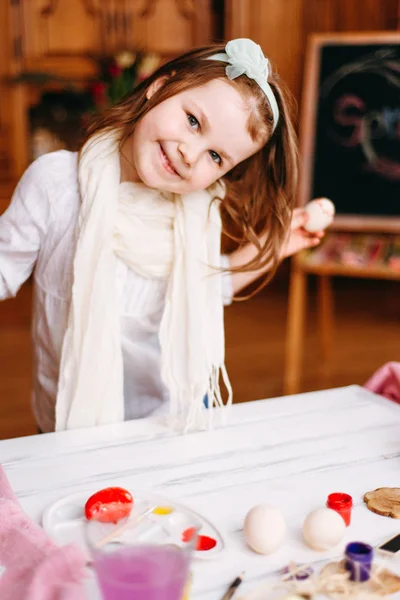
column 155, row 86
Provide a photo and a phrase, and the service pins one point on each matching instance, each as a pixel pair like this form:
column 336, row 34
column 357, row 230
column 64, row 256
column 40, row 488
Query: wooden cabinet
column 59, row 33
column 61, row 36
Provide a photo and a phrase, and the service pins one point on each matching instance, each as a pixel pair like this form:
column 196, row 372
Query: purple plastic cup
column 358, row 560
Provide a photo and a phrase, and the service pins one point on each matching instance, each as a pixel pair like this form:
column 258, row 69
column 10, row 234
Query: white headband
column 245, row 57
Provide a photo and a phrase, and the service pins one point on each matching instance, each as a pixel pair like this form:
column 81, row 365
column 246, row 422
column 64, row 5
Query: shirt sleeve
column 23, row 227
column 227, row 286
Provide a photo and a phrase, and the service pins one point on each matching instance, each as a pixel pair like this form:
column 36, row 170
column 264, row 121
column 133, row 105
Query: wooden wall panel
column 320, row 16
column 350, row 15
column 368, row 15
column 277, row 26
column 282, row 27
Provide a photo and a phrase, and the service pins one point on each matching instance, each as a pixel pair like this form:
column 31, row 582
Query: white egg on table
column 264, row 528
column 323, row 529
column 320, row 214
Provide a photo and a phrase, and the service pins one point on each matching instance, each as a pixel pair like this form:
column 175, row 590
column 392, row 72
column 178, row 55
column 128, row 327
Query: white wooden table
column 290, row 452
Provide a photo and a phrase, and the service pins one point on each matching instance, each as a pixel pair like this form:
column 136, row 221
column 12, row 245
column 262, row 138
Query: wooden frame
column 308, row 126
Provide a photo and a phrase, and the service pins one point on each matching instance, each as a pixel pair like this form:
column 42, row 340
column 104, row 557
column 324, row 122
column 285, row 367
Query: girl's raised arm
column 298, row 239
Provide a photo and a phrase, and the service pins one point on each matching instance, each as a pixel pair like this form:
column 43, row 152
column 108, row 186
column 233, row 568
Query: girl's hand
column 298, row 238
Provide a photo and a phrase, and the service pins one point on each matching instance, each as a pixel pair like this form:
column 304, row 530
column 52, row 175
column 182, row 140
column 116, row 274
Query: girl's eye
column 216, row 157
column 193, row 122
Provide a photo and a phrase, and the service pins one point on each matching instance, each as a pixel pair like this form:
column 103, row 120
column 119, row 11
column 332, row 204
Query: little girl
column 125, row 239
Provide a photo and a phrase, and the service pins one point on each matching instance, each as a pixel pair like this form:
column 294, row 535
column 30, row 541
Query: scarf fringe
column 197, row 416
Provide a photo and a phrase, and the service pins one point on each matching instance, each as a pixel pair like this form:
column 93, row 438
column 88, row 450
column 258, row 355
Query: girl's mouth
column 166, row 163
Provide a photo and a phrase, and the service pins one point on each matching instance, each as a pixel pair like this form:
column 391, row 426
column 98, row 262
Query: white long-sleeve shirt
column 38, row 232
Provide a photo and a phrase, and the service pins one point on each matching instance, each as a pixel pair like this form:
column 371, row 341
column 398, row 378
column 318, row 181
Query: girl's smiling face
column 190, row 140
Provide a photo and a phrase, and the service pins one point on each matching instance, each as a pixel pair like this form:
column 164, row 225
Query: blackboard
column 350, row 128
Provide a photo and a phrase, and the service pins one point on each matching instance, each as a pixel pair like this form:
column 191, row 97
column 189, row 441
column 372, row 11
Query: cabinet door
column 59, row 34
column 59, row 27
column 169, row 27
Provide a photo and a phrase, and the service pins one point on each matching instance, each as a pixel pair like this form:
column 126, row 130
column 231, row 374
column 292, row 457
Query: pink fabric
column 386, row 381
column 35, row 568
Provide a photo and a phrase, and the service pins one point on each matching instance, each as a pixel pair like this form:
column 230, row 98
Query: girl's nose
column 189, row 153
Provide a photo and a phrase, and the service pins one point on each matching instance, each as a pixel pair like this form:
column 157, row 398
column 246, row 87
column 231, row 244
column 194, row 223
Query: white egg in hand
column 323, row 529
column 320, row 214
column 264, row 529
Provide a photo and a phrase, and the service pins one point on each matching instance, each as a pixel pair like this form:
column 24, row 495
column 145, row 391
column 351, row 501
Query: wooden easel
column 300, row 267
column 296, row 324
column 297, row 313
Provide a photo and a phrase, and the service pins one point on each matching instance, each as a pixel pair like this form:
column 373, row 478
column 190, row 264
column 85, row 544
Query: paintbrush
column 233, row 587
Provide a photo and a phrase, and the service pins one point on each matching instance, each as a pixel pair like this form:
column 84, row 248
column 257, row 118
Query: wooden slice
column 384, row 501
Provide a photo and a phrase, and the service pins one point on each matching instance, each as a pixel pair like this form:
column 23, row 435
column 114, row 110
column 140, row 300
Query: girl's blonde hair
column 259, row 191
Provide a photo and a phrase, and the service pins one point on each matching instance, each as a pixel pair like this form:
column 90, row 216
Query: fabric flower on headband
column 248, row 59
column 245, row 57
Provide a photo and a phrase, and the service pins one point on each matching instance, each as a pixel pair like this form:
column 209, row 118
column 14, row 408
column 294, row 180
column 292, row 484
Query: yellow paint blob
column 163, row 510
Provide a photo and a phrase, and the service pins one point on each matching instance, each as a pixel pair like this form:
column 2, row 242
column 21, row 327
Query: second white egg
column 323, row 529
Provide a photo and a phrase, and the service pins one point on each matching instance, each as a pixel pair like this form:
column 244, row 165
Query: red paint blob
column 205, row 543
column 188, row 534
column 109, row 505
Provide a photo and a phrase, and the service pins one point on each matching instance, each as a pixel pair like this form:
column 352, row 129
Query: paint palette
column 153, row 520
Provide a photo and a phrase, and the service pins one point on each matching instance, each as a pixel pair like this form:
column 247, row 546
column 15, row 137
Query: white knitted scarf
column 156, row 235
